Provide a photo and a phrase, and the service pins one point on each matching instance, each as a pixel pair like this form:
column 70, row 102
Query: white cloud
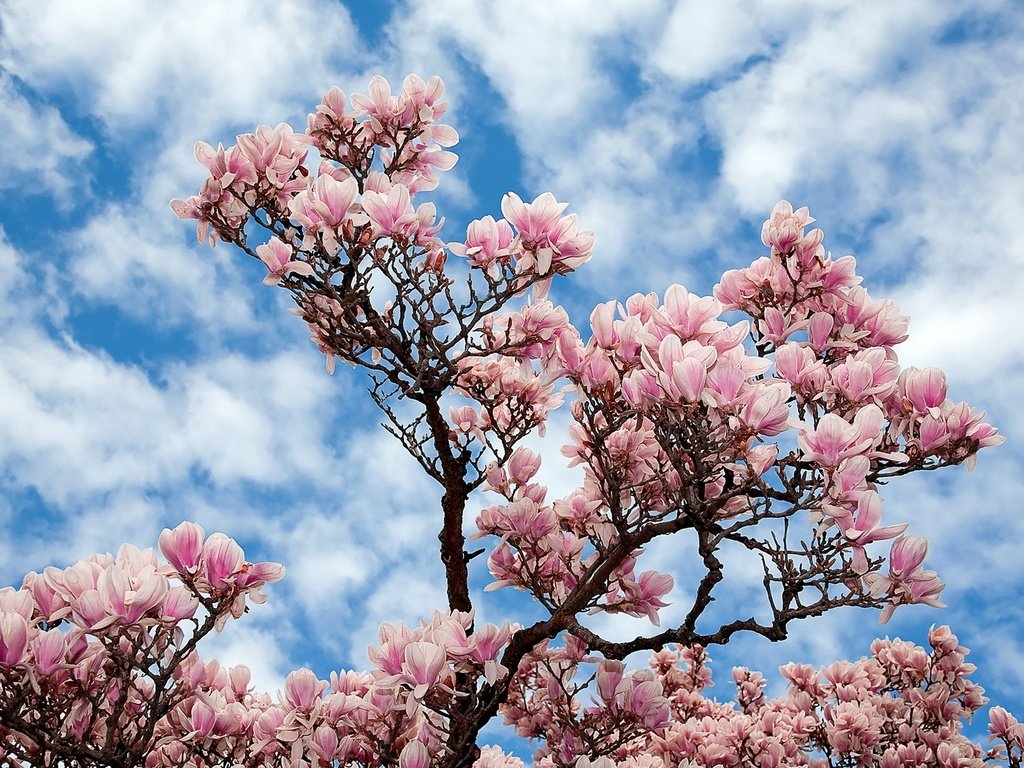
column 157, row 77
column 77, row 423
column 831, row 104
column 546, row 60
column 45, row 154
column 133, row 257
column 193, row 63
column 702, row 41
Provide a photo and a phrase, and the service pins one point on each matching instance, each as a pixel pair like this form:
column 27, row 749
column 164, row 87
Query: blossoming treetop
column 771, row 435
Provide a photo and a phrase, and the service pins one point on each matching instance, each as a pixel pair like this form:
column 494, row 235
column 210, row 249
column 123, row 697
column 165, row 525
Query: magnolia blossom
column 278, row 258
column 551, row 242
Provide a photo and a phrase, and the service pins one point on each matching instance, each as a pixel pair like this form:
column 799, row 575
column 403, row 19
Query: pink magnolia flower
column 13, row 638
column 835, row 439
column 222, row 558
column 925, row 390
column 487, row 243
column 47, row 592
column 128, row 602
column 423, row 665
column 487, row 644
column 379, row 103
column 325, row 742
column 800, row 366
column 783, row 230
column 465, row 421
column 550, row 238
column 17, row 601
column 392, row 213
column 767, row 408
column 866, row 528
column 761, row 458
column 331, row 109
column 1002, row 724
column 523, row 465
column 689, row 316
column 819, row 330
column 326, row 204
column 278, row 258
column 907, row 554
column 203, row 719
column 538, row 221
column 255, row 575
column 414, row 755
column 426, row 97
column 228, row 167
column 48, row 650
column 302, row 689
column 183, row 546
column 275, row 153
column 179, row 604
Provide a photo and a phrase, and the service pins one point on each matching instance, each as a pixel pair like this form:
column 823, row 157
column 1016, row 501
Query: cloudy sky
column 145, row 379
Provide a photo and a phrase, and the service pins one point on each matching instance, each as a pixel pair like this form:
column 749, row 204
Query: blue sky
column 146, row 379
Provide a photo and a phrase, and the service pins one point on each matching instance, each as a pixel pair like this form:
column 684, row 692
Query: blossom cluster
column 336, row 231
column 132, row 684
column 672, row 397
column 903, row 706
column 98, row 660
column 87, row 653
column 394, row 714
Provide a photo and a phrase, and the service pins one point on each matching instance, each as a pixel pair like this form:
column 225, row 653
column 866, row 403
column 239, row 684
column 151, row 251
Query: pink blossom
column 865, row 528
column 907, row 554
column 379, row 104
column 255, row 575
column 204, row 718
column 302, row 689
column 1002, row 724
column 326, row 204
column 819, row 330
column 183, row 546
column 325, row 742
column 179, row 604
column 602, row 322
column 800, row 366
column 761, row 458
column 767, row 408
column 274, row 153
column 392, row 213
column 126, row 601
column 487, row 242
column 523, row 465
column 550, row 239
column 924, row 389
column 785, row 227
column 414, row 755
column 13, row 638
column 537, row 221
column 423, row 665
column 835, row 439
column 222, row 558
column 17, row 601
column 48, row 651
column 689, row 316
column 278, row 258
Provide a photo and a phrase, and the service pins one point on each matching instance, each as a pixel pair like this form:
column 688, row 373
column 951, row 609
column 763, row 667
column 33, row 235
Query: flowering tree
column 769, row 435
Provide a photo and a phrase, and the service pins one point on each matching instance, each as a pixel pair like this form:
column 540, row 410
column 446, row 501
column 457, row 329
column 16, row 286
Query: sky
column 146, row 379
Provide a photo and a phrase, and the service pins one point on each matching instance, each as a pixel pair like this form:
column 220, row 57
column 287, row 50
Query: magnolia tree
column 769, row 435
